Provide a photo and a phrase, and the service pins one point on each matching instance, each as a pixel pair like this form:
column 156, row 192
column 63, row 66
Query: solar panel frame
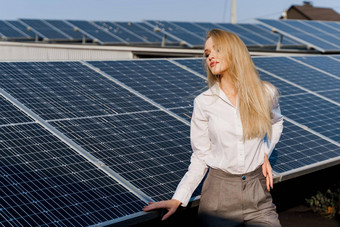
column 65, row 28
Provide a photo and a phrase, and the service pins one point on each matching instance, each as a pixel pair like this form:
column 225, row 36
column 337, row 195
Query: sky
column 138, row 10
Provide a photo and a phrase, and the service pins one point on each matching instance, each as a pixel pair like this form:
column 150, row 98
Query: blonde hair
column 255, row 97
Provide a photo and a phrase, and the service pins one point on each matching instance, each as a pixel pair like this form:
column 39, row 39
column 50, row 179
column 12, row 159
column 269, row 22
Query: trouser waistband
column 236, row 177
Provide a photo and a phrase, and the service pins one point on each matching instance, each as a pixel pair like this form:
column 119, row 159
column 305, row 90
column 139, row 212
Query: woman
column 235, row 125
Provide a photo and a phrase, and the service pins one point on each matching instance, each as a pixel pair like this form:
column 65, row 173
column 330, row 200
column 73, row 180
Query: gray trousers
column 231, row 200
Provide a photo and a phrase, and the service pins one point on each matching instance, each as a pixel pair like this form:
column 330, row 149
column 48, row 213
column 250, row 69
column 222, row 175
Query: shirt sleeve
column 201, row 146
column 277, row 125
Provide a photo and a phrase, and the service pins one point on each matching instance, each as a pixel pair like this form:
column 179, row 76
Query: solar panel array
column 85, row 143
column 189, row 34
column 321, row 35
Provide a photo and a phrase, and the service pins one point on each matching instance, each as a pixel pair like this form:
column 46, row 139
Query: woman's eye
column 206, row 55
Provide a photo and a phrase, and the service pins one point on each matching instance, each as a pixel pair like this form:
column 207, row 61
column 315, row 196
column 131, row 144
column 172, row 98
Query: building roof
column 309, row 12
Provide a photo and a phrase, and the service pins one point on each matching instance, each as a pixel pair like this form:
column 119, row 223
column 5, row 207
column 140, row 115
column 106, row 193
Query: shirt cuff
column 183, row 196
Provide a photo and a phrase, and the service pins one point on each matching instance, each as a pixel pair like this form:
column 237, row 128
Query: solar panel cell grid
column 66, row 28
column 57, row 90
column 299, row 148
column 298, row 73
column 150, row 150
column 324, row 63
column 159, row 80
column 313, row 112
column 44, row 182
column 9, row 114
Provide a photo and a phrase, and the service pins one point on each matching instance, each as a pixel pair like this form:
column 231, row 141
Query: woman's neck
column 227, row 85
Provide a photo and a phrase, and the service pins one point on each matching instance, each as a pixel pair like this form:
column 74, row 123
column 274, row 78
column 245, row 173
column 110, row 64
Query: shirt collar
column 216, row 90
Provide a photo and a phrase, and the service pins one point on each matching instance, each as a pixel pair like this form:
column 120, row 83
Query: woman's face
column 217, row 63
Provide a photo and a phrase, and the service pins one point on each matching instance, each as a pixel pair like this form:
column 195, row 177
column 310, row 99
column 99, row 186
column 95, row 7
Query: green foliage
column 327, row 203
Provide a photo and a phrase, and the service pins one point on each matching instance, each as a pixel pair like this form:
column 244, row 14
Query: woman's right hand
column 170, row 205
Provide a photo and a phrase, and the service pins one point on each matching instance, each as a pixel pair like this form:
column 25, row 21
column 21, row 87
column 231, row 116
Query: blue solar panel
column 299, row 148
column 324, row 63
column 45, row 30
column 94, row 32
column 8, row 31
column 196, row 65
column 332, row 94
column 159, row 80
column 183, row 112
column 314, row 112
column 66, row 28
column 22, row 28
column 303, row 33
column 297, row 73
column 122, row 33
column 44, row 182
column 180, row 33
column 192, row 27
column 151, row 150
column 247, row 37
column 9, row 114
column 314, row 31
column 58, row 90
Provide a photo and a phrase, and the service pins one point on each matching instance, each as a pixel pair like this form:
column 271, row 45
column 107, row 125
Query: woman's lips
column 212, row 64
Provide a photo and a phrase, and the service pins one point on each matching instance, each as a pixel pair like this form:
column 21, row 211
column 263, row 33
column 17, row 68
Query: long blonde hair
column 254, row 97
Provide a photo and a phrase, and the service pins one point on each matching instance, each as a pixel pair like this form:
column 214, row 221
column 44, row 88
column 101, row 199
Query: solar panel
column 326, row 64
column 22, row 28
column 158, row 80
column 183, row 112
column 44, row 30
column 267, row 34
column 299, row 148
column 305, row 33
column 9, row 114
column 315, row 113
column 150, row 149
column 177, row 32
column 58, row 90
column 196, row 64
column 8, row 31
column 297, row 73
column 95, row 32
column 44, row 182
column 144, row 32
column 332, row 94
column 127, row 35
column 66, row 28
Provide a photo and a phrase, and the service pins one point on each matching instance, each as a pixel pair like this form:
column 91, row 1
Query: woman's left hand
column 267, row 172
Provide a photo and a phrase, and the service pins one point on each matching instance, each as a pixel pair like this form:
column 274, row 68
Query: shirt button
column 243, row 177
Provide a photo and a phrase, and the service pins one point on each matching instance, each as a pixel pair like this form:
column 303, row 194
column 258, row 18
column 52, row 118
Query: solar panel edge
column 308, row 169
column 87, row 155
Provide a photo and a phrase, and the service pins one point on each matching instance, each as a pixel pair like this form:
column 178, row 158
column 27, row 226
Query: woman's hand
column 267, row 172
column 170, row 205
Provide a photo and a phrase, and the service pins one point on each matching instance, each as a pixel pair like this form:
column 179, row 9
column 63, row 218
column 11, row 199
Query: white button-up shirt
column 217, row 140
